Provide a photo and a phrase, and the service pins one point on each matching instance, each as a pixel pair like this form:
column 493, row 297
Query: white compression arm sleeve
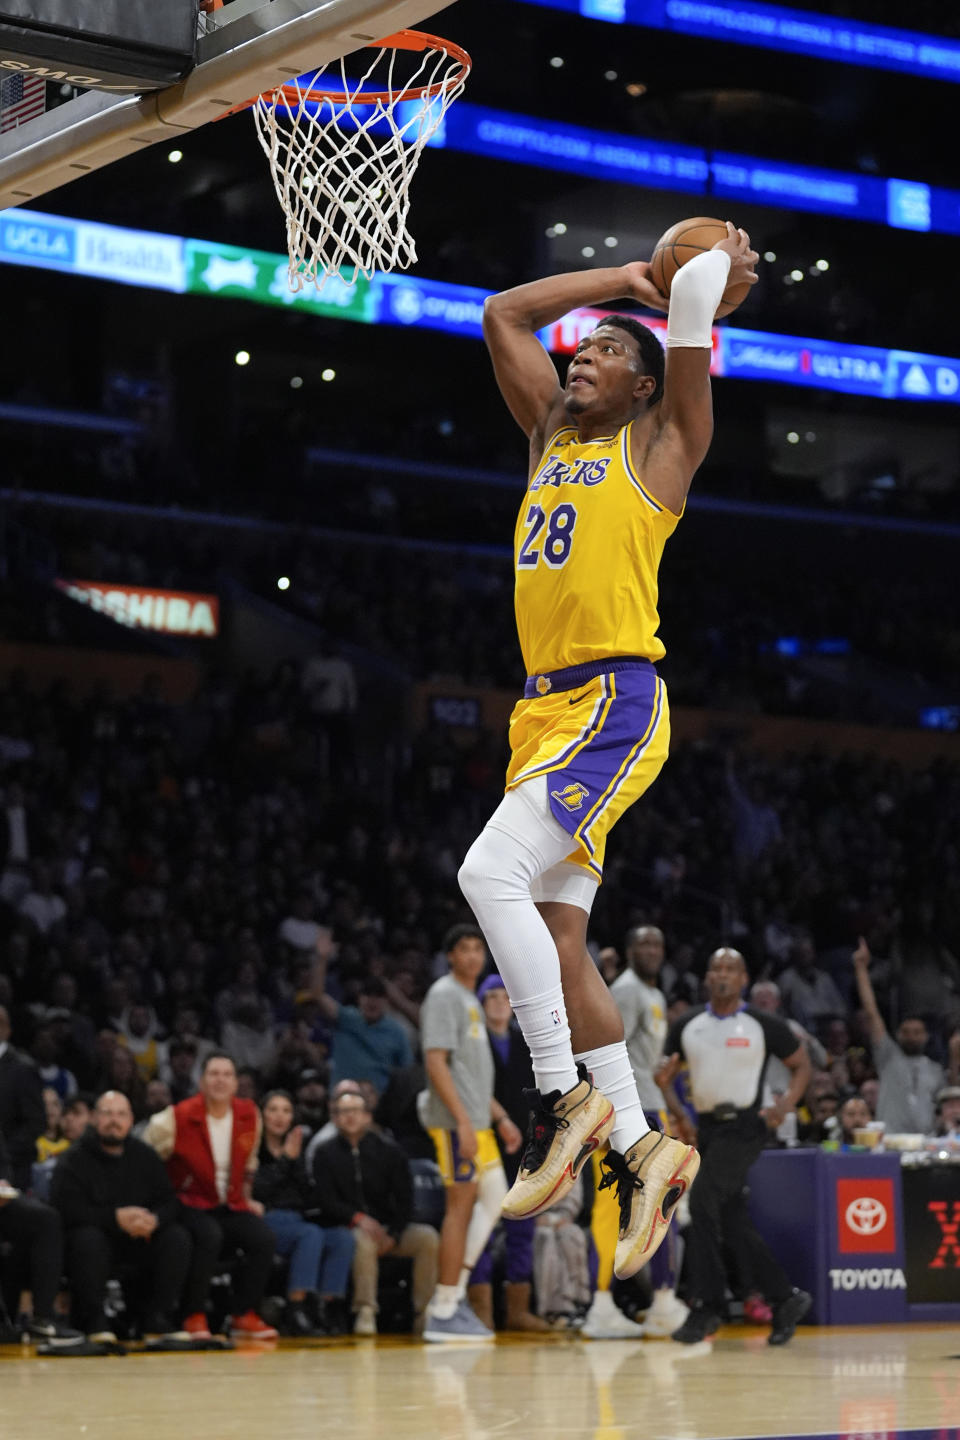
column 696, row 292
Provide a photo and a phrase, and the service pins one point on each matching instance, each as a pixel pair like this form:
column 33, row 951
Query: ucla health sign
column 107, row 252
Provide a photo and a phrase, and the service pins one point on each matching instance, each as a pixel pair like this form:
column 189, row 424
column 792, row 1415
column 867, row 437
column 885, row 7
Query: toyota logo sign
column 866, row 1215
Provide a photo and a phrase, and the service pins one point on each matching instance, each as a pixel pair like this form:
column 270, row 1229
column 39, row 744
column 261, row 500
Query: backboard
column 246, row 47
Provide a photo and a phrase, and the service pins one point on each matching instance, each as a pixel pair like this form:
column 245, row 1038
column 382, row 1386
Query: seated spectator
column 182, row 1070
column 186, row 1026
column 328, row 1130
column 296, row 1052
column 46, row 1056
column 248, row 1034
column 36, row 1264
column 248, row 1083
column 311, row 1098
column 853, row 1114
column 210, row 1143
column 367, row 1043
column 363, row 1180
column 77, row 1114
column 158, row 1097
column 809, row 993
column 139, row 1032
column 120, row 1215
column 53, row 1141
column 870, row 1091
column 124, row 1075
column 819, row 1106
column 909, row 1079
column 22, row 1118
column 948, row 1112
column 320, row 1256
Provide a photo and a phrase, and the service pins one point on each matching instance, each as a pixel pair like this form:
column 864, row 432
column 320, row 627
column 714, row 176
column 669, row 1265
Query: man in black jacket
column 36, row 1234
column 363, row 1180
column 22, row 1116
column 119, row 1211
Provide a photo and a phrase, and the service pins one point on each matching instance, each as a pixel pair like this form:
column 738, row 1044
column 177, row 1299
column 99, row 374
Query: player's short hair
column 456, row 933
column 651, row 351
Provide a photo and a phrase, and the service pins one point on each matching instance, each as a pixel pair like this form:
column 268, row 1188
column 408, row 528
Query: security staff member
column 726, row 1044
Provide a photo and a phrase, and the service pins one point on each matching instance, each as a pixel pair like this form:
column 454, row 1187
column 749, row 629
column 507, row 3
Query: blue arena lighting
column 774, row 27
column 201, row 267
column 660, row 165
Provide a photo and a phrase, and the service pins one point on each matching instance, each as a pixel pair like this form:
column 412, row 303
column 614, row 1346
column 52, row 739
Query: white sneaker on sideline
column 365, row 1321
column 605, row 1322
column 665, row 1315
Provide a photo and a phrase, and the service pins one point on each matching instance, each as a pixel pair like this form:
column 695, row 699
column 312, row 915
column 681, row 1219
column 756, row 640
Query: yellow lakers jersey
column 587, row 549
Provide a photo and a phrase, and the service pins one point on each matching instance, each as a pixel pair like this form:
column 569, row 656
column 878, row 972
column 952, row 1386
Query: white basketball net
column 342, row 167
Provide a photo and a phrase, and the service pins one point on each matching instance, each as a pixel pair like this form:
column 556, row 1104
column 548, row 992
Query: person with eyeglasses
column 363, row 1180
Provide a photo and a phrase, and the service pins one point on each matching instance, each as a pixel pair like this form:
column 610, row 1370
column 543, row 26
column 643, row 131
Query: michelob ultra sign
column 169, row 612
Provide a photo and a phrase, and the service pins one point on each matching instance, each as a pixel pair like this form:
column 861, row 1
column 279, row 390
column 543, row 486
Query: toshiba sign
column 169, row 612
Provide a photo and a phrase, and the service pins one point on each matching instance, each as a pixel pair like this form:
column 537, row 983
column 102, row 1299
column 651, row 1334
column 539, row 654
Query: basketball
column 681, row 243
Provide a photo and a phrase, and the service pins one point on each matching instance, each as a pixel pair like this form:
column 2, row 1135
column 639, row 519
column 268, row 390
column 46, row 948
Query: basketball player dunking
column 612, row 455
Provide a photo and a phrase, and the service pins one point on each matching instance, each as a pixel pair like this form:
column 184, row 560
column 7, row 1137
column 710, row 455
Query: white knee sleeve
column 520, row 842
column 491, row 1192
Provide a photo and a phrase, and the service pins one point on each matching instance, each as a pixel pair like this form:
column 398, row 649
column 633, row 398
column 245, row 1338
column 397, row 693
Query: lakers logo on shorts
column 543, row 684
column 571, row 797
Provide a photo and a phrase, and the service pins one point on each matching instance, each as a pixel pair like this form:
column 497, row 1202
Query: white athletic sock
column 543, row 1020
column 443, row 1301
column 613, row 1076
column 520, row 841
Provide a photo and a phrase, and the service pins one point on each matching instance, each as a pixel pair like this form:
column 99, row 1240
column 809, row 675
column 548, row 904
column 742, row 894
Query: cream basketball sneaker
column 564, row 1132
column 650, row 1178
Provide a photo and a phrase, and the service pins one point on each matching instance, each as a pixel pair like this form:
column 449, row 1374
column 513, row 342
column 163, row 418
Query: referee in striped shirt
column 726, row 1044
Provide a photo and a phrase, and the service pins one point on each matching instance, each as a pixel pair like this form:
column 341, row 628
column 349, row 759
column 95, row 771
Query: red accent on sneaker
column 251, row 1327
column 757, row 1311
column 674, row 1180
column 196, row 1326
column 590, row 1144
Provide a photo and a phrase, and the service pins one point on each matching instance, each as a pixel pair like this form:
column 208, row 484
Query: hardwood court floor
column 867, row 1383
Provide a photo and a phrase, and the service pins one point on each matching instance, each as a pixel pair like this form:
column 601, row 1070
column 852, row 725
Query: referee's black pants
column 719, row 1215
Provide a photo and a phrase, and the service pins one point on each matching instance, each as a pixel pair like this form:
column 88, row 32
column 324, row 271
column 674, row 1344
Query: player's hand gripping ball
column 680, row 244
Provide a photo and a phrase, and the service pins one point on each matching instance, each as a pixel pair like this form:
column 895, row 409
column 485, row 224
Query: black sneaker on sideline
column 298, row 1322
column 334, row 1317
column 787, row 1316
column 697, row 1326
column 55, row 1332
column 160, row 1327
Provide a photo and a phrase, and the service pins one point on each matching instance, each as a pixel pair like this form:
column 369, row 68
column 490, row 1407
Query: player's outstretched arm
column 686, row 410
column 524, row 370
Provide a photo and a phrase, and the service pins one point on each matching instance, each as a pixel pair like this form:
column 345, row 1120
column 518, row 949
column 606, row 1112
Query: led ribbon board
column 773, row 27
column 204, row 267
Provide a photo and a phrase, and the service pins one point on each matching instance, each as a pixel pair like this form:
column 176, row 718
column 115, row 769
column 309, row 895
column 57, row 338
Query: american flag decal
column 22, row 98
